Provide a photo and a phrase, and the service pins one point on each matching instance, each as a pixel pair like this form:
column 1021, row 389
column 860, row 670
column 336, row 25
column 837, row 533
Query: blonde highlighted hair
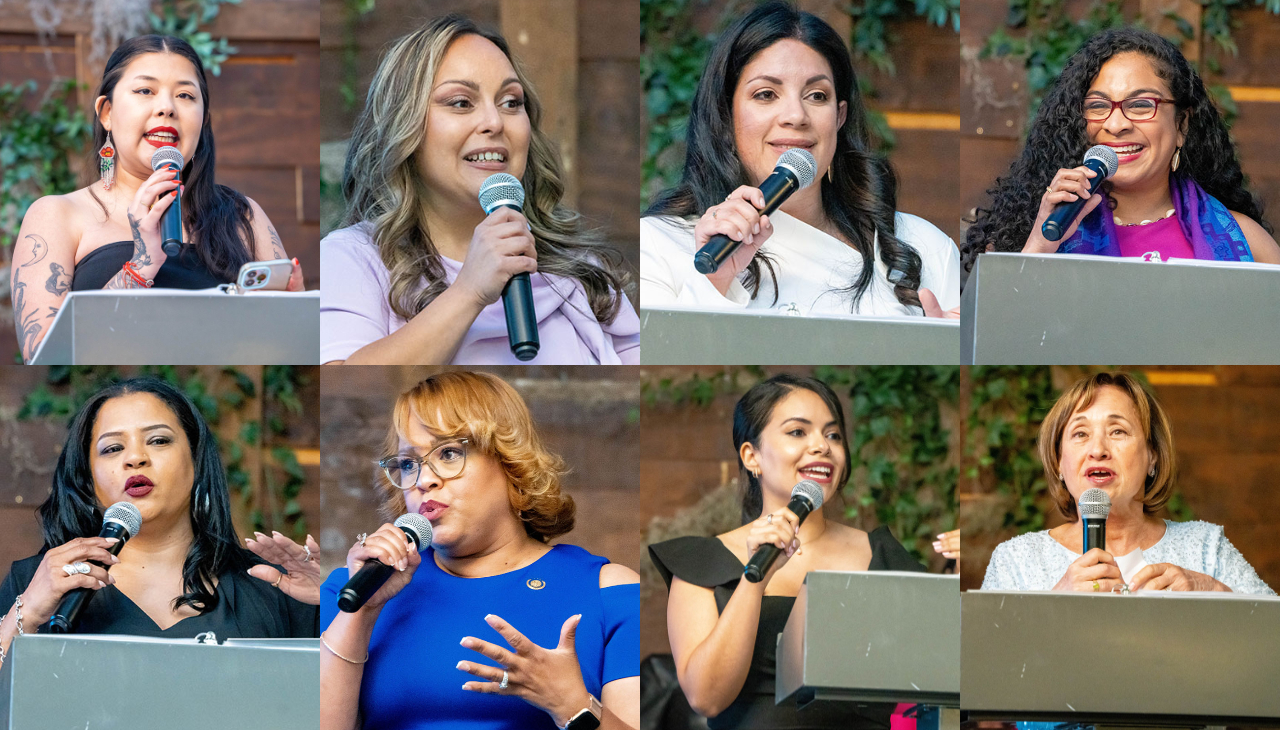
column 1151, row 418
column 491, row 414
column 383, row 187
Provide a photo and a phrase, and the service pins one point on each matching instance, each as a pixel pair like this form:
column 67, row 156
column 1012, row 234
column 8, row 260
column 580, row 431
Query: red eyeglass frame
column 1118, row 105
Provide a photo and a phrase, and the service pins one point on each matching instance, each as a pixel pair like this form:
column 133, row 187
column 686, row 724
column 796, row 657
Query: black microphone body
column 766, row 554
column 74, row 600
column 1103, row 161
column 171, row 218
column 366, row 582
column 776, row 188
column 1095, row 533
column 517, row 304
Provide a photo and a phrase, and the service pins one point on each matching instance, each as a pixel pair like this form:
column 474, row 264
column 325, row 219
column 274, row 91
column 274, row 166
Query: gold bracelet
column 348, row 661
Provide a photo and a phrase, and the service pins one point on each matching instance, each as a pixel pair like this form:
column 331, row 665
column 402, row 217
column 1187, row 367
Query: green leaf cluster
column 183, row 18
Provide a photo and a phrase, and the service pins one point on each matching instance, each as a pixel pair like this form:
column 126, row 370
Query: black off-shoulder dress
column 706, row 562
column 184, row 271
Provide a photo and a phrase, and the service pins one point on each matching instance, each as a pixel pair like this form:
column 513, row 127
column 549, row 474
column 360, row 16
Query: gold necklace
column 1143, row 223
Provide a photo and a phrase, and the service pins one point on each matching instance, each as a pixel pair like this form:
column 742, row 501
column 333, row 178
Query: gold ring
column 713, row 215
column 1096, row 587
column 1048, row 189
column 277, row 583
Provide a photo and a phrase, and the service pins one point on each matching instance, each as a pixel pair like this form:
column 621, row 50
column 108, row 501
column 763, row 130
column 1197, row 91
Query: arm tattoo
column 121, row 281
column 55, row 285
column 277, row 248
column 140, row 256
column 28, row 324
column 39, row 249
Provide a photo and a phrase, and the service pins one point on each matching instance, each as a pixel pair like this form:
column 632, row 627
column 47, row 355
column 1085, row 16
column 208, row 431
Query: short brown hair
column 1155, row 426
column 491, row 414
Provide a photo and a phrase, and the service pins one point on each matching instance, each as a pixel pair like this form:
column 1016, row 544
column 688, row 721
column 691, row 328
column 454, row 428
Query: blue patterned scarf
column 1209, row 227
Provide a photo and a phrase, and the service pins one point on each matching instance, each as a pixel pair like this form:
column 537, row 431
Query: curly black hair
column 861, row 197
column 1058, row 139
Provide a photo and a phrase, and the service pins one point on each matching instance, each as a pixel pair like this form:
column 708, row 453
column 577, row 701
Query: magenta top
column 354, row 311
column 1164, row 237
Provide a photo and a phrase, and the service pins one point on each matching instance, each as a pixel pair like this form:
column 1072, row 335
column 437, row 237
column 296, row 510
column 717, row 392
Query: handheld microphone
column 1102, row 160
column 1095, row 505
column 366, row 582
column 805, row 498
column 171, row 219
column 122, row 520
column 499, row 191
column 796, row 169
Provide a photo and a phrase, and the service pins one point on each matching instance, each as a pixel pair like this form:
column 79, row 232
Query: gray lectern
column 873, row 637
column 688, row 337
column 59, row 682
column 1057, row 309
column 177, row 327
column 1160, row 659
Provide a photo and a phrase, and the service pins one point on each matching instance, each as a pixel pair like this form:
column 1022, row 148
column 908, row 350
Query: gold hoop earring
column 1177, row 158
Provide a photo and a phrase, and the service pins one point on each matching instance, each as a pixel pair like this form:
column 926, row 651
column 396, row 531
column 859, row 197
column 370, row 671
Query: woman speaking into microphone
column 777, row 80
column 417, row 275
column 1177, row 190
column 489, row 627
column 724, row 629
column 153, row 96
column 143, row 443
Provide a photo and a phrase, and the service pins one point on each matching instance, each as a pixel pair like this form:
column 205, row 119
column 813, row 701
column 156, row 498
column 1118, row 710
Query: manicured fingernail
column 276, row 533
column 101, row 584
column 114, row 560
column 756, row 229
column 466, row 641
column 462, row 666
column 295, row 260
column 113, row 540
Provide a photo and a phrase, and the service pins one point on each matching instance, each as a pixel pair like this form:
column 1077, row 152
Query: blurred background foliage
column 248, row 412
column 674, row 49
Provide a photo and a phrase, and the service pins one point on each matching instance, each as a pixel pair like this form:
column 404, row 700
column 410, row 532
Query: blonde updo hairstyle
column 488, row 412
column 1151, row 418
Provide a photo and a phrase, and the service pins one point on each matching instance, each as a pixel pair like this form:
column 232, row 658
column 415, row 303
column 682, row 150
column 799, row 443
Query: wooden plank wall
column 586, row 415
column 29, row 450
column 265, row 107
column 583, row 56
column 1225, row 437
column 994, row 95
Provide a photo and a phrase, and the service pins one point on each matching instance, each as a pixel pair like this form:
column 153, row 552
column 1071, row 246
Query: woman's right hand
column 782, row 531
column 1067, row 185
column 389, row 546
column 1096, row 566
column 738, row 217
column 51, row 582
column 501, row 247
column 153, row 198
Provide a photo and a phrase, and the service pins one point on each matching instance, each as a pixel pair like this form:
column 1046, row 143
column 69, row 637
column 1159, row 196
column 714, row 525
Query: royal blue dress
column 412, row 682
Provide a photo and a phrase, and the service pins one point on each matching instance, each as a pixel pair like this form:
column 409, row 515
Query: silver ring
column 503, row 683
column 362, row 537
column 769, row 519
column 69, row 569
column 81, row 568
column 308, row 558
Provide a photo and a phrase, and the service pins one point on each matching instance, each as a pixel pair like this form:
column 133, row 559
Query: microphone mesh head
column 501, row 189
column 809, row 489
column 126, row 514
column 801, row 163
column 166, row 154
column 418, row 525
column 1095, row 503
column 1106, row 156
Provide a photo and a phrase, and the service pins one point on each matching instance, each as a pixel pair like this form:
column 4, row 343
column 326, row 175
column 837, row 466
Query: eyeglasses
column 446, row 461
column 1135, row 109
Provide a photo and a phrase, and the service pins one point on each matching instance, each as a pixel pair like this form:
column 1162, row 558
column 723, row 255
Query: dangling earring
column 107, row 163
column 1177, row 158
column 831, row 174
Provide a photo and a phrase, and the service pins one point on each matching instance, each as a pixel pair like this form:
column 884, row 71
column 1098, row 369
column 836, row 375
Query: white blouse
column 812, row 267
column 1036, row 562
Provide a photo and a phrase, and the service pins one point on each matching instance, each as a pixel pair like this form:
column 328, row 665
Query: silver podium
column 105, row 682
column 689, row 337
column 1162, row 659
column 874, row 637
column 1060, row 309
column 177, row 327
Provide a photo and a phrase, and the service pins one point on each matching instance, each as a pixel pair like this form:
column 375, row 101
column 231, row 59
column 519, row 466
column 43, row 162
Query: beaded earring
column 107, row 163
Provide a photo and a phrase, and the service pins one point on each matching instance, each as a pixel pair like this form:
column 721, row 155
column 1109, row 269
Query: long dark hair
column 218, row 218
column 72, row 509
column 752, row 414
column 861, row 196
column 1058, row 139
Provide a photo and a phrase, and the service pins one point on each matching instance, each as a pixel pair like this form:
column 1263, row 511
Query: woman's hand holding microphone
column 501, row 247
column 738, row 217
column 60, row 572
column 1067, row 185
column 780, row 528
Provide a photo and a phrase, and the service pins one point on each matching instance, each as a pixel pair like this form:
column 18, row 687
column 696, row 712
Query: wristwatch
column 588, row 718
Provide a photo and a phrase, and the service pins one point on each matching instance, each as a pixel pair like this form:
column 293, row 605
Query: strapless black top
column 184, row 271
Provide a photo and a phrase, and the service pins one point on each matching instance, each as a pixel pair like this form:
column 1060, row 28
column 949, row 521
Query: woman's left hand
column 549, row 679
column 295, row 278
column 933, row 309
column 302, row 577
column 948, row 544
column 1167, row 576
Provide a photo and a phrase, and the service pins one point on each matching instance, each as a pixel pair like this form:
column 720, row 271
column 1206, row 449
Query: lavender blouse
column 354, row 311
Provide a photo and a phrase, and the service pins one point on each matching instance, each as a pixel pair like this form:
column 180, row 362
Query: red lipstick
column 164, row 140
column 138, row 486
column 432, row 509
